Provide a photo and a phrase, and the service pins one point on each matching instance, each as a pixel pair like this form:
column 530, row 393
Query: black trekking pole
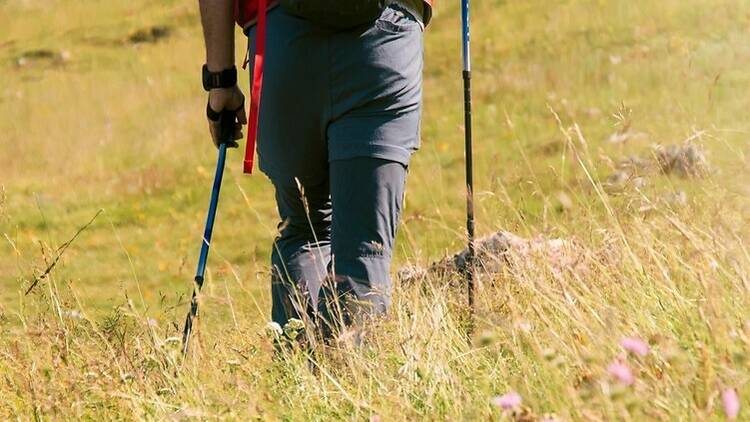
column 469, row 158
column 227, row 126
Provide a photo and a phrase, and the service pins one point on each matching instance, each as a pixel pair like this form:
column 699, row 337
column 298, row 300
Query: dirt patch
column 43, row 56
column 150, row 35
column 550, row 148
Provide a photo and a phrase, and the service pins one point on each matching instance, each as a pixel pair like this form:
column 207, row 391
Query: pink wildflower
column 731, row 402
column 635, row 346
column 621, row 372
column 507, row 401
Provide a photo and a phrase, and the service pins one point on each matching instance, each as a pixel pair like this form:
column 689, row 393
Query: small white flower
column 273, row 330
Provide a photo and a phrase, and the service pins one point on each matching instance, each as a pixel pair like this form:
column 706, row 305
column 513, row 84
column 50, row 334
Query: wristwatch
column 227, row 78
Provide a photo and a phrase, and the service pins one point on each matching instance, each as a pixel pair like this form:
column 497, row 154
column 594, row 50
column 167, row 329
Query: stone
column 499, row 251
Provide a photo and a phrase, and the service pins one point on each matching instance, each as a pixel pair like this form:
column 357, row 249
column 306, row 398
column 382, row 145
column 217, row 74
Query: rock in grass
column 499, row 251
column 688, row 160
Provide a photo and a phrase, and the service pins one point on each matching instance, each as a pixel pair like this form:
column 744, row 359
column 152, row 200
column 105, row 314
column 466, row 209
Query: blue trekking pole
column 469, row 156
column 227, row 121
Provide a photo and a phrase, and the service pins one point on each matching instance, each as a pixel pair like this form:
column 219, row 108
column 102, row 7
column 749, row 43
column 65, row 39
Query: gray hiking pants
column 339, row 120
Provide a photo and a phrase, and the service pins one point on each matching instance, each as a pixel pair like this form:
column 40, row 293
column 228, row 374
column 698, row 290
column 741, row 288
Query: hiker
column 338, row 105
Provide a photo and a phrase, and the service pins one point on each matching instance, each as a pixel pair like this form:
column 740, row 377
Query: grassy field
column 99, row 111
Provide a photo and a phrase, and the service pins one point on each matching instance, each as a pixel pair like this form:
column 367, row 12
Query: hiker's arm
column 217, row 19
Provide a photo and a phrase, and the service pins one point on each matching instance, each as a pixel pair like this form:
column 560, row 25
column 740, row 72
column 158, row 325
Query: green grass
column 119, row 127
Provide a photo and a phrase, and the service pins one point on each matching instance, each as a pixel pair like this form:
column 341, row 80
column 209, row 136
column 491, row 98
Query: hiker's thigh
column 294, row 99
column 376, row 90
column 301, row 252
column 367, row 196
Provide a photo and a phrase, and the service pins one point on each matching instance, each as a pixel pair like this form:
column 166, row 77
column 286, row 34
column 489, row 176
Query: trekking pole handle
column 466, row 35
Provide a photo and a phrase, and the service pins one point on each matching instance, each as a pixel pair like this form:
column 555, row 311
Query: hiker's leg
column 367, row 195
column 302, row 251
column 376, row 92
column 291, row 149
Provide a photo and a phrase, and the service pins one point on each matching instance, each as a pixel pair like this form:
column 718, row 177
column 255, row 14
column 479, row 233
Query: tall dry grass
column 671, row 279
column 648, row 321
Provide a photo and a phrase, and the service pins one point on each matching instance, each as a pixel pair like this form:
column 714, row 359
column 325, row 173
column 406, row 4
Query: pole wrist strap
column 256, row 86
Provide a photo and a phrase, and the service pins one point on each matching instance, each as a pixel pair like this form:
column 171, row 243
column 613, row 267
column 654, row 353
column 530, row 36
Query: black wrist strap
column 227, row 78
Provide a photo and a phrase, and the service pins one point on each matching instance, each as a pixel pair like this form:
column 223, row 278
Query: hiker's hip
column 296, row 46
column 336, row 95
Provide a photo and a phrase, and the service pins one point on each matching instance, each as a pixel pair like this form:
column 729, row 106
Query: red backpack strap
column 256, row 86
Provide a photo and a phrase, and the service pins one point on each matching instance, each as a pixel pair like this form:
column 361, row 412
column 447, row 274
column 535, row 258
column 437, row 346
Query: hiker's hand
column 231, row 101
